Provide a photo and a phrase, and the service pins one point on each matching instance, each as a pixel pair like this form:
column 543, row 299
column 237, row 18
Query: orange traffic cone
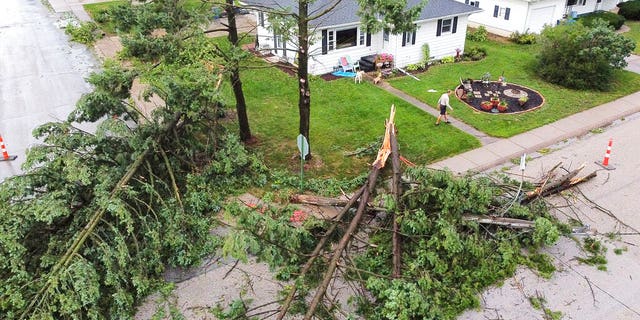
column 607, row 155
column 5, row 154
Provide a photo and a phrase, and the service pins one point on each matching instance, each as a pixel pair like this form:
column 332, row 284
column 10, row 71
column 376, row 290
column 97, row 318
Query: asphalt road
column 577, row 290
column 41, row 75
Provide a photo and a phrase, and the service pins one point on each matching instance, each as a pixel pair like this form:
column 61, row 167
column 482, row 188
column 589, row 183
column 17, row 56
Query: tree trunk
column 236, row 84
column 396, row 191
column 304, row 92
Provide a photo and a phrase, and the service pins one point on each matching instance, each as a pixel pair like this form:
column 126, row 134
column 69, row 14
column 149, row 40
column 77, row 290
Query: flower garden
column 498, row 96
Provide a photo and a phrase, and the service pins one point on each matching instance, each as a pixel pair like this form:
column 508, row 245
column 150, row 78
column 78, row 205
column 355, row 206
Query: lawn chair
column 355, row 65
column 345, row 65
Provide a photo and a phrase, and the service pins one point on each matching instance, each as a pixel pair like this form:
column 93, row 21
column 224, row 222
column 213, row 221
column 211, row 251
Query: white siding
column 324, row 63
column 439, row 46
column 531, row 15
column 608, row 4
column 544, row 13
column 592, row 5
column 520, row 17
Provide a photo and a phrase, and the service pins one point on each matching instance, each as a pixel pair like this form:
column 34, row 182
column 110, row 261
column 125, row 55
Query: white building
column 442, row 25
column 503, row 17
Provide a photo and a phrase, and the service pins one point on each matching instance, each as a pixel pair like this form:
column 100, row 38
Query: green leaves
column 579, row 57
column 392, row 15
column 446, row 261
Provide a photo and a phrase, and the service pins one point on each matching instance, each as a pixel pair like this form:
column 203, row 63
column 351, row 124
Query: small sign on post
column 303, row 147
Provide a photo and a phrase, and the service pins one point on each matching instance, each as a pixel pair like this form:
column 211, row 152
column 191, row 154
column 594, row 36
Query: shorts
column 443, row 110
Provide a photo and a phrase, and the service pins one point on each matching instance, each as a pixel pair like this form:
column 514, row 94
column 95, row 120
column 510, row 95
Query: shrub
column 613, row 20
column 85, row 32
column 123, row 16
column 449, row 59
column 474, row 54
column 426, row 53
column 415, row 67
column 523, row 38
column 579, row 57
column 478, row 35
column 630, row 10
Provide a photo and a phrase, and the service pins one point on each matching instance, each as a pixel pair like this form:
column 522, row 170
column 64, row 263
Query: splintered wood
column 385, row 149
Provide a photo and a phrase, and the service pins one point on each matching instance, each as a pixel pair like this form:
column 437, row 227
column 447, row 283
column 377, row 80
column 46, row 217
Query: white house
column 442, row 25
column 503, row 17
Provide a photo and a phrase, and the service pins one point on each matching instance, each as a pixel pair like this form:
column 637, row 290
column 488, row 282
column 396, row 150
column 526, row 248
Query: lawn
column 344, row 117
column 516, row 62
column 633, row 33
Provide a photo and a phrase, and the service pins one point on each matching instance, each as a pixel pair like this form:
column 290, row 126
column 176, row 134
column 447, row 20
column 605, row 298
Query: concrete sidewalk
column 74, row 6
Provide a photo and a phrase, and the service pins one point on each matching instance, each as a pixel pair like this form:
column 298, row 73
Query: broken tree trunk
column 396, row 191
column 317, row 298
column 323, row 201
column 378, row 164
column 558, row 185
column 316, row 252
column 495, row 220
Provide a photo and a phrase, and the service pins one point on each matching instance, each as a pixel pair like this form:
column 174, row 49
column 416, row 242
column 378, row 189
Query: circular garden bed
column 511, row 96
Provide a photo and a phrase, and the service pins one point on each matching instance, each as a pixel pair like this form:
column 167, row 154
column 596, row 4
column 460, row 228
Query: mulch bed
column 509, row 92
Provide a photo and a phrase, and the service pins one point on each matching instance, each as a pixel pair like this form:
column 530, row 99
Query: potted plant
column 486, row 105
column 503, row 106
column 523, row 100
column 495, row 100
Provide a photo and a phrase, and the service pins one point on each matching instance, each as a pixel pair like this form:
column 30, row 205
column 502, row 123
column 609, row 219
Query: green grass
column 633, row 33
column 344, row 117
column 516, row 61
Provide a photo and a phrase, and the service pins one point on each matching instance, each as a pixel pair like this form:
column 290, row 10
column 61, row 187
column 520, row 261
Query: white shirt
column 444, row 100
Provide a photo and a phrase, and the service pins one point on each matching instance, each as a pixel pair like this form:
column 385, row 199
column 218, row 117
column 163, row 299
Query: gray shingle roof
column 346, row 12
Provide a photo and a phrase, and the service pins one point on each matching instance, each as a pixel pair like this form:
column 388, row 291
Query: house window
column 346, row 38
column 332, row 41
column 261, row 18
column 385, row 35
column 446, row 26
column 502, row 12
column 571, row 2
column 278, row 43
column 472, row 3
column 582, row 2
column 408, row 38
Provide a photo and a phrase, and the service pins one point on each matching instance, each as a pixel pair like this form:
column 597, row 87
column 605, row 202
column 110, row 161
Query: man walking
column 443, row 102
